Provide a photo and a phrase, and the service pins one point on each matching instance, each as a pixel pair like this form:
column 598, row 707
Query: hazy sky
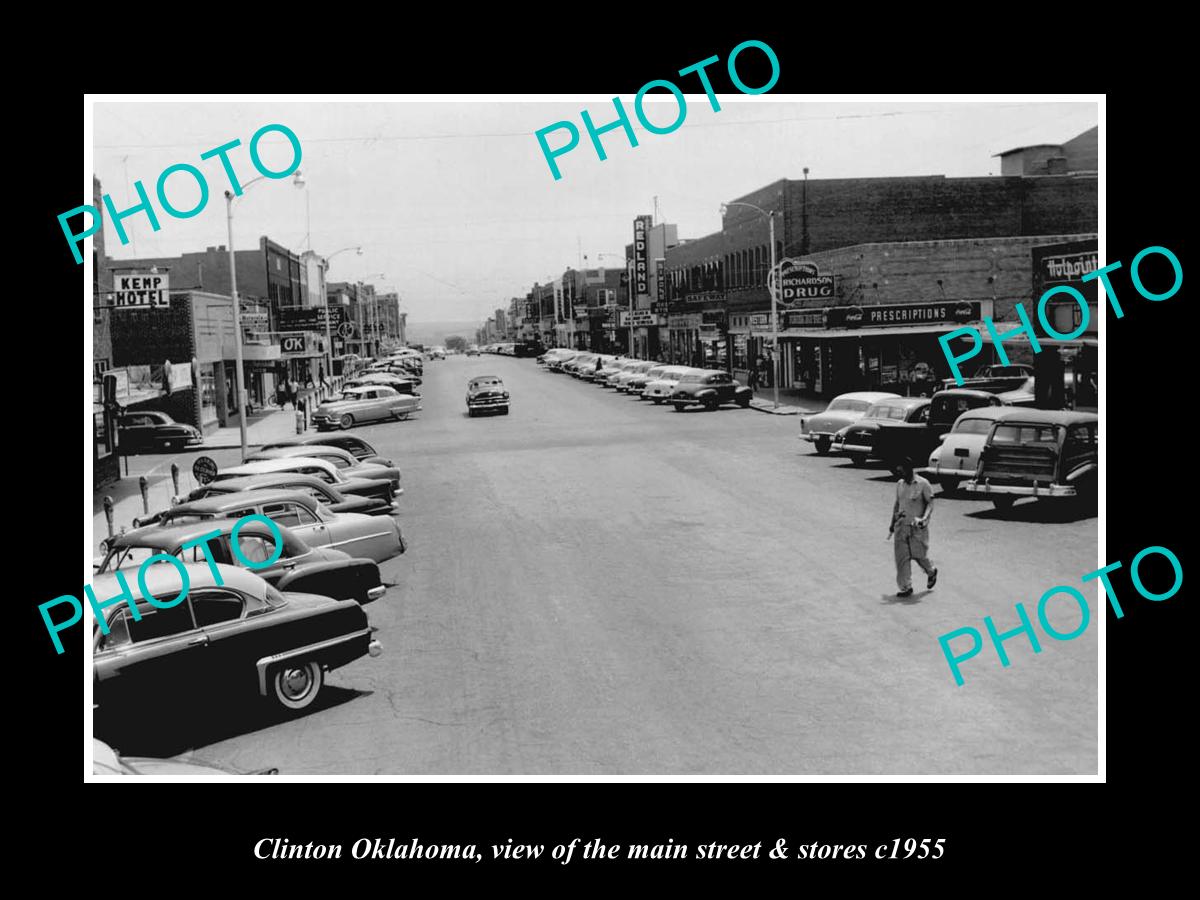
column 455, row 204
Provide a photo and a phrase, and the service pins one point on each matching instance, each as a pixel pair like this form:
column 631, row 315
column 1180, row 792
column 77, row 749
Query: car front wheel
column 1004, row 501
column 679, row 407
column 859, row 459
column 822, row 446
column 295, row 685
column 744, row 402
column 346, row 421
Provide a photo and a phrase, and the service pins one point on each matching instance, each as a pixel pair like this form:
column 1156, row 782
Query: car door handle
column 202, row 639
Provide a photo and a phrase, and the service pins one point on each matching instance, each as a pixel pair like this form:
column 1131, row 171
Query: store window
column 208, row 395
column 740, row 356
column 103, row 441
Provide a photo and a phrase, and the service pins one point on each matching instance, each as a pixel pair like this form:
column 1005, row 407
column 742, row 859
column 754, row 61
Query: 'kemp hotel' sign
column 141, row 292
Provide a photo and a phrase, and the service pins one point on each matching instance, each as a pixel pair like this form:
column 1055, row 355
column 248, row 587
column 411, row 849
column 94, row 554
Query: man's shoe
column 907, row 592
column 932, row 580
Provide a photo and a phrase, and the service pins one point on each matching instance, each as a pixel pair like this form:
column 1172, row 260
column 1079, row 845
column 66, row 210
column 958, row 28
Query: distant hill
column 429, row 333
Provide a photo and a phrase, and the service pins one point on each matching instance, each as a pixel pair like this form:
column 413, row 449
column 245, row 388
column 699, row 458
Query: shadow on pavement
column 1034, row 510
column 167, row 731
column 893, row 600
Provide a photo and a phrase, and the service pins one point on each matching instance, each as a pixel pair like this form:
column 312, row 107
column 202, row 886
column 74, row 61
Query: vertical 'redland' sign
column 641, row 252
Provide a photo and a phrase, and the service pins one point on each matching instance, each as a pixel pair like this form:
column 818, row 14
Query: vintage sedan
column 232, row 635
column 154, row 430
column 579, row 362
column 636, row 384
column 486, row 393
column 956, row 458
column 362, row 451
column 859, row 439
column 622, row 379
column 610, row 369
column 369, row 403
column 1038, row 453
column 314, row 570
column 325, row 494
column 893, row 442
column 344, row 460
column 845, row 409
column 709, row 388
column 107, row 762
column 660, row 389
column 320, row 468
column 376, row 538
column 473, row 350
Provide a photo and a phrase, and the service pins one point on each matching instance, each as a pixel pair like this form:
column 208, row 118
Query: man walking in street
column 752, row 380
column 321, row 376
column 910, row 528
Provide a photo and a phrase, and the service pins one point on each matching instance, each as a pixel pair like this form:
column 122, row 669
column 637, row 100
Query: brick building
column 898, row 261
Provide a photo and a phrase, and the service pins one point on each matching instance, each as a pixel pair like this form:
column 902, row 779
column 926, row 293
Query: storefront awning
column 820, row 334
column 1022, row 339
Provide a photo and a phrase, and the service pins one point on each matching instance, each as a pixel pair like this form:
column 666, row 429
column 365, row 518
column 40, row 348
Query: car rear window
column 972, row 426
column 691, row 379
column 1026, row 434
column 848, row 406
column 886, row 412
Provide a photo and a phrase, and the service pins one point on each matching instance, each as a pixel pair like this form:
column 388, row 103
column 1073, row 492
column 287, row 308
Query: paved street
column 596, row 585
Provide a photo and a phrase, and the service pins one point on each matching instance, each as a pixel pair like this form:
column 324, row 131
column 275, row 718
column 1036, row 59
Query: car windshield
column 972, row 426
column 843, row 405
column 127, row 557
column 1025, row 434
column 656, row 372
column 491, row 382
column 880, row 411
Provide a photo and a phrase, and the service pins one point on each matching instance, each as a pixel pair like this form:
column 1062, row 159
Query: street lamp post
column 238, row 374
column 772, row 286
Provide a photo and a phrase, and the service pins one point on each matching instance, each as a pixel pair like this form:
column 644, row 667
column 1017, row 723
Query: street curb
column 782, row 411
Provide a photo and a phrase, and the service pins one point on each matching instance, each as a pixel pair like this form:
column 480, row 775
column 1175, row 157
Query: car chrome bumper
column 1021, row 490
column 811, row 436
column 375, row 648
column 376, row 592
column 486, row 404
column 853, row 448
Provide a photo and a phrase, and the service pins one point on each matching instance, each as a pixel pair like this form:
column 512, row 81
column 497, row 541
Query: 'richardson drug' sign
column 801, row 281
column 141, row 291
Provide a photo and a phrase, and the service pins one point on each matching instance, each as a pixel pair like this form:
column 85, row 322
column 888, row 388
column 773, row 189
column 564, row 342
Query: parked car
column 1038, row 453
column 321, row 468
column 916, row 442
column 473, row 350
column 956, row 458
column 106, row 762
column 437, row 352
column 325, row 494
column 370, row 403
column 376, row 538
column 153, row 430
column 577, row 363
column 556, row 353
column 636, row 384
column 610, row 367
column 344, row 460
column 362, row 451
column 558, row 363
column 709, row 388
column 622, row 380
column 859, row 438
column 227, row 637
column 314, row 570
column 819, row 430
column 402, row 384
column 663, row 387
column 486, row 393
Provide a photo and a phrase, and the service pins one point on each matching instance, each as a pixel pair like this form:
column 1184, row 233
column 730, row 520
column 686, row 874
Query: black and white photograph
column 522, row 437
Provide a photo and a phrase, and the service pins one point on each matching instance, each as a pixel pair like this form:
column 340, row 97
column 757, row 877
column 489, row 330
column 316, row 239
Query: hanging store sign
column 136, row 291
column 641, row 253
column 948, row 312
column 799, row 281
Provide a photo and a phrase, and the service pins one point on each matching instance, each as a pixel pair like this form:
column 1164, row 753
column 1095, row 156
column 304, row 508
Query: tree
column 456, row 343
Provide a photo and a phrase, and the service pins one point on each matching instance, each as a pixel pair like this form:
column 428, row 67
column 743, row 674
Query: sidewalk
column 270, row 424
column 264, row 427
column 789, row 404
